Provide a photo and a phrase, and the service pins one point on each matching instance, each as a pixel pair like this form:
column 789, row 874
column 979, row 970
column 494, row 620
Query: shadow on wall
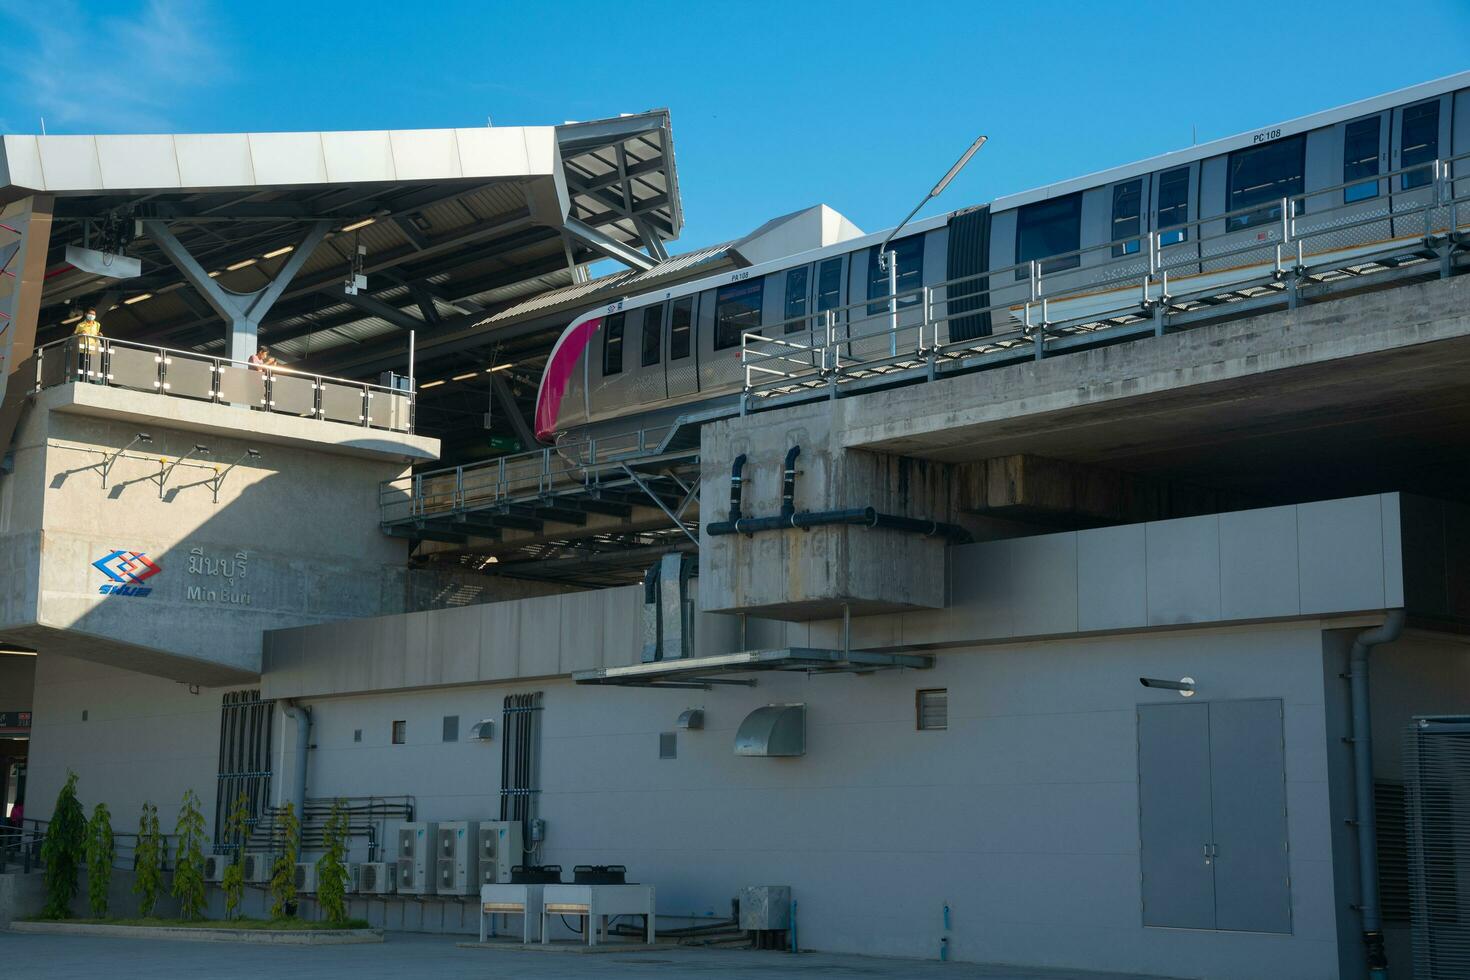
column 190, row 552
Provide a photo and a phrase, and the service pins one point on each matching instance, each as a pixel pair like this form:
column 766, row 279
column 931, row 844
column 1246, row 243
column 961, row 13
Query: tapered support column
column 25, row 235
column 242, row 312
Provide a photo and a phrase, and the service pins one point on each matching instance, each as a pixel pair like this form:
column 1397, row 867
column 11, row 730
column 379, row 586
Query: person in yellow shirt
column 89, row 348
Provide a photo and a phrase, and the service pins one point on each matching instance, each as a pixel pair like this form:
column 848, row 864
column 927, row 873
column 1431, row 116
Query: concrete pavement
column 408, row 955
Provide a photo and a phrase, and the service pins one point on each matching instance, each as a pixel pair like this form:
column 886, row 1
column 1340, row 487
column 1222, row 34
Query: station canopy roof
column 453, row 224
column 478, row 240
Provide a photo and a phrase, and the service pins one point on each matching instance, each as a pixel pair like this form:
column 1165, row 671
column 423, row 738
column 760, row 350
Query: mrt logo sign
column 127, row 570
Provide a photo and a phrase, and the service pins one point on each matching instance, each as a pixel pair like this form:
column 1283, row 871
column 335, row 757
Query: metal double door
column 1212, row 816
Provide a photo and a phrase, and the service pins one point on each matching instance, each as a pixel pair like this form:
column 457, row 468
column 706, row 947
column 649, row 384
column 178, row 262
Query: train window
column 653, row 333
column 910, row 258
column 681, row 316
column 1127, row 212
column 829, row 285
column 612, row 345
column 737, row 311
column 1173, row 205
column 1049, row 228
column 796, row 280
column 1360, row 159
column 1264, row 173
column 1420, row 142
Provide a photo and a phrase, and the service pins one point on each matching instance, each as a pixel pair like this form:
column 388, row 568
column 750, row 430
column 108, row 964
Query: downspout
column 736, row 487
column 302, row 714
column 1362, row 739
column 788, row 483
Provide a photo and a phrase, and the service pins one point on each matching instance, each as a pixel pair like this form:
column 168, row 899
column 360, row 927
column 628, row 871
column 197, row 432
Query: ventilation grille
column 1437, row 819
column 932, row 707
column 1393, row 855
column 668, row 745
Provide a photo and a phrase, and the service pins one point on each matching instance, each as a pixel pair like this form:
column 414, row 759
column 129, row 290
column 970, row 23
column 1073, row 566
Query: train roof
column 1300, row 124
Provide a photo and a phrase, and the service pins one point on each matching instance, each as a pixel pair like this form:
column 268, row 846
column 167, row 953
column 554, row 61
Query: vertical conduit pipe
column 1362, row 740
column 737, row 485
column 788, row 483
column 302, row 714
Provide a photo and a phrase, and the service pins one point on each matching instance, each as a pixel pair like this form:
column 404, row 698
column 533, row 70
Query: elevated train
column 1354, row 180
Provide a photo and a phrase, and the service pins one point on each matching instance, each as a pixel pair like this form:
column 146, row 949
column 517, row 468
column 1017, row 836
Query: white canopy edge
column 172, row 162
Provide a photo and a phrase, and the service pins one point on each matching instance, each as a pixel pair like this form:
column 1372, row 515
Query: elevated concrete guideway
column 1385, row 371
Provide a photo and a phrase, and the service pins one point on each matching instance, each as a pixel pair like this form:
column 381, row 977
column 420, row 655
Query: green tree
column 148, row 861
column 331, row 868
column 189, row 858
column 101, row 851
column 63, row 850
column 283, row 872
column 237, row 825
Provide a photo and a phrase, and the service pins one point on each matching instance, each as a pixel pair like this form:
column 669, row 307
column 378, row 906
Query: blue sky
column 775, row 106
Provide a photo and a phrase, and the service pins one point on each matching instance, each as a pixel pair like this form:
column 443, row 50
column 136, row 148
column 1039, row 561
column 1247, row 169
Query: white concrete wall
column 143, row 738
column 1023, row 816
column 304, row 518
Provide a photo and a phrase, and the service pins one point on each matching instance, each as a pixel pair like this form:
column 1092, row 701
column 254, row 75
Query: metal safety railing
column 570, row 467
column 199, row 377
column 1268, row 252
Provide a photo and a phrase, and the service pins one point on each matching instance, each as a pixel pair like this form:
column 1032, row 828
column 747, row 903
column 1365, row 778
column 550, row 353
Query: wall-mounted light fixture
column 107, row 463
column 196, row 450
column 219, row 476
column 1184, row 685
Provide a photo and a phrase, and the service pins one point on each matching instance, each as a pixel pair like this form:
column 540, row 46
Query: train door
column 1356, row 154
column 681, row 371
column 1420, row 133
column 1175, row 203
column 649, row 386
column 829, row 292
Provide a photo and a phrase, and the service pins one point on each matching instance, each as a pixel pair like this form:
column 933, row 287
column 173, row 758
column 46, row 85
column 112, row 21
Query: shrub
column 189, row 859
column 148, row 861
column 331, row 869
column 101, row 851
column 283, row 872
column 63, row 850
column 237, row 825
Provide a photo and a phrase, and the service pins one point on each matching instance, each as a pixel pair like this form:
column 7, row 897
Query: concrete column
column 242, row 312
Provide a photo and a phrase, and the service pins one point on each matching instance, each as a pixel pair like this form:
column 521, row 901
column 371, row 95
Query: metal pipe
column 788, row 482
column 737, row 486
column 1362, row 740
column 858, row 516
column 302, row 714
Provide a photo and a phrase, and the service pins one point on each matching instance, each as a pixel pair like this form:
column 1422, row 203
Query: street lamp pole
column 888, row 259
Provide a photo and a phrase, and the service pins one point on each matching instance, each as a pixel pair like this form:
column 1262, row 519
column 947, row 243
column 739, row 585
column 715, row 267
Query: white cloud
column 116, row 73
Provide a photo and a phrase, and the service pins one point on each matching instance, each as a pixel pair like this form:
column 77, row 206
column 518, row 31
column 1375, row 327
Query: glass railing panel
column 241, row 386
column 293, row 395
column 342, row 402
column 388, row 410
column 187, row 377
column 132, row 367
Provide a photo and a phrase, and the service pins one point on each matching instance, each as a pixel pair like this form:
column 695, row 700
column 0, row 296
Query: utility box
column 458, row 858
column 257, row 868
column 214, row 867
column 377, row 878
column 500, row 848
column 416, row 842
column 765, row 907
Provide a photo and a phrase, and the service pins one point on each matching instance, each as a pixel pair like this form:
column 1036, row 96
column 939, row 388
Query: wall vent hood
column 775, row 730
